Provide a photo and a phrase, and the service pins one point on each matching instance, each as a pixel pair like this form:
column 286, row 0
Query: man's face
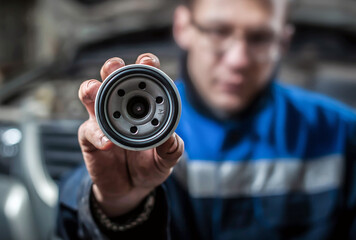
column 233, row 47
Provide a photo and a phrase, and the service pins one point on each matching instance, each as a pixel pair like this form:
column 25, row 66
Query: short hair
column 189, row 3
column 289, row 5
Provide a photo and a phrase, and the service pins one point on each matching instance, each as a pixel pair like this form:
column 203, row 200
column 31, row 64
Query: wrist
column 127, row 221
column 117, row 205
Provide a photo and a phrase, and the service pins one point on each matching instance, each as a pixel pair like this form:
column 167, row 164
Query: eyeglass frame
column 261, row 51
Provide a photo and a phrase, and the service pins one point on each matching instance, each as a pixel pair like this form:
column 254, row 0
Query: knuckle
column 82, row 127
column 84, row 91
column 87, row 129
column 82, row 131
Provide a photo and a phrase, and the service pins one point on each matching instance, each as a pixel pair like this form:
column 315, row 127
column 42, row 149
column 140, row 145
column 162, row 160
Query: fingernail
column 146, row 59
column 116, row 60
column 104, row 141
column 114, row 63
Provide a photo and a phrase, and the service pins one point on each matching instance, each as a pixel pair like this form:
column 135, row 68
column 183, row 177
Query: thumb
column 170, row 151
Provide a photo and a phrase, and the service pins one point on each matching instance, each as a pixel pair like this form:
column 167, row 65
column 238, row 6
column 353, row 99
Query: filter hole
column 133, row 130
column 142, row 85
column 121, row 92
column 155, row 122
column 117, row 114
column 159, row 100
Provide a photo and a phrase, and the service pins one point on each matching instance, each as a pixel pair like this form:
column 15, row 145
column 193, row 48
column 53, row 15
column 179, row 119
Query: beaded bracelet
column 106, row 222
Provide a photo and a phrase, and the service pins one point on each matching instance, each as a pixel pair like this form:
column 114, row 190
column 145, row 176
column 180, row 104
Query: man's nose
column 237, row 56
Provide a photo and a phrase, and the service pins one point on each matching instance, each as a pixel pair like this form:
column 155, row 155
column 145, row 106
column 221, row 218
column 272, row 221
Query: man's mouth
column 231, row 86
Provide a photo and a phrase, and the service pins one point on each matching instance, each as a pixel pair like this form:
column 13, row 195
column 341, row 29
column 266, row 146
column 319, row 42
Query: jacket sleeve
column 75, row 219
column 348, row 223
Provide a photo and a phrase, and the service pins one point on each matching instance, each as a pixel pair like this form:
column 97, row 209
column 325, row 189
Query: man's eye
column 260, row 38
column 219, row 32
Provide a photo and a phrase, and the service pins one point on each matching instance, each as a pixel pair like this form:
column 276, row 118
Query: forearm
column 77, row 221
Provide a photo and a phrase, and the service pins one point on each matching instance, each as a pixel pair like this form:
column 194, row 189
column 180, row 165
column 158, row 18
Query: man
column 261, row 160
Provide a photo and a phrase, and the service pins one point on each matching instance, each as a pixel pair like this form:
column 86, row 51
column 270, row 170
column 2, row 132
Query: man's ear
column 182, row 30
column 288, row 33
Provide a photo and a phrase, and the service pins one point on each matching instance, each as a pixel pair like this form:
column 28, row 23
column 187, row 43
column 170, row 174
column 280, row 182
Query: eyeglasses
column 261, row 44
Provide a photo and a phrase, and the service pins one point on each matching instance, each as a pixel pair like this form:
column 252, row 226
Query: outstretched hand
column 122, row 178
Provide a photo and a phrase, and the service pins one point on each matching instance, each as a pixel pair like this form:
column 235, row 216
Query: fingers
column 87, row 93
column 92, row 138
column 148, row 59
column 170, row 151
column 115, row 63
column 89, row 89
column 111, row 65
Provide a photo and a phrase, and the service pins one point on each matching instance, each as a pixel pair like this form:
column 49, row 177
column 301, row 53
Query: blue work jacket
column 283, row 169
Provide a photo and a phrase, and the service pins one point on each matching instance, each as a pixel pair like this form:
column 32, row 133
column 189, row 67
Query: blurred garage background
column 48, row 47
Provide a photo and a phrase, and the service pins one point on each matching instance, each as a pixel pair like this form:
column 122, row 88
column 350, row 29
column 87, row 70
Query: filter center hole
column 138, row 107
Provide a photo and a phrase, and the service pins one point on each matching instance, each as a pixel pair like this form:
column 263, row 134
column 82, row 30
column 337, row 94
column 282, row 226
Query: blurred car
column 40, row 112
